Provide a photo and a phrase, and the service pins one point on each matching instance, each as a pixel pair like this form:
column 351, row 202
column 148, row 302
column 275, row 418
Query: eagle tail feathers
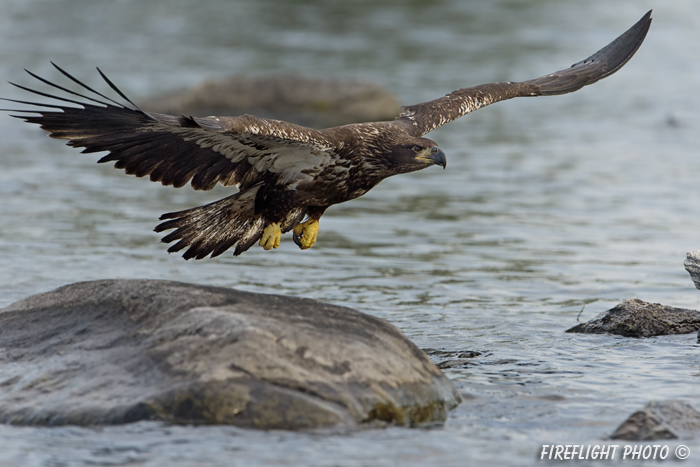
column 215, row 227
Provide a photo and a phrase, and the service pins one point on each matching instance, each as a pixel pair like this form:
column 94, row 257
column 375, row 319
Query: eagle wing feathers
column 175, row 150
column 423, row 118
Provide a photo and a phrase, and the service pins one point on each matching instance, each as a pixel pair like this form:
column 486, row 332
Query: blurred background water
column 548, row 206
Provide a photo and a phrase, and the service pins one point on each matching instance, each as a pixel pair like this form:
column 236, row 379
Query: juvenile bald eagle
column 287, row 175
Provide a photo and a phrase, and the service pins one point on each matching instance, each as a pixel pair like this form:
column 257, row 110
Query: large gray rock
column 307, row 101
column 116, row 351
column 692, row 265
column 660, row 420
column 636, row 318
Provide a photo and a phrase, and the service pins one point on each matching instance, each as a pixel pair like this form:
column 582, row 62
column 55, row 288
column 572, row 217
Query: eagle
column 287, row 175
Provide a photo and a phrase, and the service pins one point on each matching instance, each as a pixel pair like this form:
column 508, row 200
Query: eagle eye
column 417, row 148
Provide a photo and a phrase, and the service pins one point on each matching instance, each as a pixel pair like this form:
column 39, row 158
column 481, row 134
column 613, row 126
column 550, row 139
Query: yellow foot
column 271, row 236
column 305, row 234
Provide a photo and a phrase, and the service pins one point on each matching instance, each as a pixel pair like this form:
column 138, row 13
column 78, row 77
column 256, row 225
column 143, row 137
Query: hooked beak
column 435, row 156
column 439, row 158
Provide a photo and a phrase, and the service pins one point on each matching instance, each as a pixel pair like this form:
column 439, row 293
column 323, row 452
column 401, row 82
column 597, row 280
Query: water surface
column 548, row 206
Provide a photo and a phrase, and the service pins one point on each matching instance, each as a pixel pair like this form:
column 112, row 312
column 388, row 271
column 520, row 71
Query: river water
column 549, row 208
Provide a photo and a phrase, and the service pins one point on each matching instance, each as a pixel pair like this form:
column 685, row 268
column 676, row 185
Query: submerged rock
column 306, row 101
column 692, row 265
column 116, row 351
column 660, row 420
column 636, row 318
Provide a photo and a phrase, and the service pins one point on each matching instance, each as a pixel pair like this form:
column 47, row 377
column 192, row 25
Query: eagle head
column 413, row 154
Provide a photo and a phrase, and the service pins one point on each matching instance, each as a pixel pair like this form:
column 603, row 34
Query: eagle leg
column 271, row 236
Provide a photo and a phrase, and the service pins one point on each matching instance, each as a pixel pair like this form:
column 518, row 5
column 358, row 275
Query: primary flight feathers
column 287, row 175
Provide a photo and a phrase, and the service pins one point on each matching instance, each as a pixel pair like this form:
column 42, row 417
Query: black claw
column 296, row 239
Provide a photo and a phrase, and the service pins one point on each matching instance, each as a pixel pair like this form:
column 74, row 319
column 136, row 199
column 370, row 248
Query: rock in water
column 636, row 318
column 692, row 265
column 660, row 420
column 116, row 351
column 306, row 101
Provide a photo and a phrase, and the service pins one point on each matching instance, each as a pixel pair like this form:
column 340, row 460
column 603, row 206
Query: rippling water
column 547, row 207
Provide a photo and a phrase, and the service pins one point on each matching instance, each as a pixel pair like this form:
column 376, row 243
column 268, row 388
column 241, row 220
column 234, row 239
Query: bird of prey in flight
column 287, row 175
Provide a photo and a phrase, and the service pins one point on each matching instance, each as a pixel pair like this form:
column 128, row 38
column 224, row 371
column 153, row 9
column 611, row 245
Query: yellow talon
column 271, row 236
column 305, row 233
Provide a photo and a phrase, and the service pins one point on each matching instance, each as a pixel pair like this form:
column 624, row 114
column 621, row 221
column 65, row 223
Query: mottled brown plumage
column 284, row 172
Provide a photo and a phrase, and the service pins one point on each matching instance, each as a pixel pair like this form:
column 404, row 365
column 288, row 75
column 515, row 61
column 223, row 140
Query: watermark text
column 565, row 452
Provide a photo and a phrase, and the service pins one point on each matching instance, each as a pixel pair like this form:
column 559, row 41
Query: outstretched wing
column 176, row 150
column 423, row 118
